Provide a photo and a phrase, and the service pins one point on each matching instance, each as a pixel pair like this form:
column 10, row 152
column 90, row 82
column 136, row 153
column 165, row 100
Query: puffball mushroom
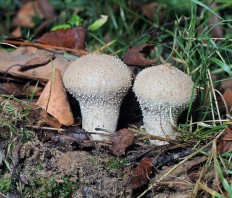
column 163, row 93
column 99, row 82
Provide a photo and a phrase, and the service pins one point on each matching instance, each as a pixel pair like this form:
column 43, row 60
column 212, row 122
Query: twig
column 80, row 131
column 44, row 46
column 172, row 169
column 163, row 160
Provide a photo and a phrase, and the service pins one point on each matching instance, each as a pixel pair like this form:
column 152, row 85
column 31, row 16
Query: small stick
column 24, row 43
column 64, row 130
column 163, row 160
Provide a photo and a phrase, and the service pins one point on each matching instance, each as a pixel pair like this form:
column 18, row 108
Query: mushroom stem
column 95, row 116
column 159, row 121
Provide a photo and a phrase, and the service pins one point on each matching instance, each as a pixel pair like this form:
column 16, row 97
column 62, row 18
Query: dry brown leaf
column 225, row 142
column 55, row 101
column 46, row 9
column 194, row 169
column 69, row 38
column 17, row 32
column 45, row 118
column 37, row 61
column 140, row 175
column 19, row 89
column 23, row 55
column 25, row 15
column 217, row 31
column 228, row 97
column 121, row 140
column 137, row 56
column 150, row 10
column 226, row 84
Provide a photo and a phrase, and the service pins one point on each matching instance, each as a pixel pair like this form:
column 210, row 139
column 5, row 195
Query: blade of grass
column 207, row 8
column 209, row 190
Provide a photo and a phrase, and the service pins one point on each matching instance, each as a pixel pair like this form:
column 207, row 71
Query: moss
column 5, row 184
column 117, row 163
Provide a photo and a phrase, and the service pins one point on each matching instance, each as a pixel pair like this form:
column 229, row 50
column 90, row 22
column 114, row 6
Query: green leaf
column 224, row 66
column 75, row 20
column 62, row 26
column 98, row 23
column 206, row 7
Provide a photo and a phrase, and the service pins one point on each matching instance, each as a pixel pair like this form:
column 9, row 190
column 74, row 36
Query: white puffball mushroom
column 99, row 82
column 163, row 93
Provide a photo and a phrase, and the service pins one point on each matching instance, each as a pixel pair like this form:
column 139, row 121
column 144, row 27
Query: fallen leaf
column 24, row 17
column 11, row 62
column 213, row 23
column 194, row 169
column 46, row 9
column 45, row 118
column 19, row 90
column 55, row 101
column 121, row 140
column 140, row 175
column 17, row 32
column 228, row 98
column 217, row 31
column 150, row 10
column 226, row 84
column 225, row 142
column 69, row 38
column 36, row 62
column 137, row 56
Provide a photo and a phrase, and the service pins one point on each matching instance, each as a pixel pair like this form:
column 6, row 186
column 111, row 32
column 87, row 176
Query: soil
column 48, row 169
column 91, row 171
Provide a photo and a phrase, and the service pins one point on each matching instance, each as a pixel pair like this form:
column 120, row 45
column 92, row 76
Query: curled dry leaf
column 11, row 62
column 45, row 118
column 121, row 140
column 140, row 175
column 225, row 142
column 137, row 56
column 54, row 100
column 36, row 62
column 69, row 38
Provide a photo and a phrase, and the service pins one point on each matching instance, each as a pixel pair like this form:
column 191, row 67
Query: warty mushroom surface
column 163, row 93
column 99, row 82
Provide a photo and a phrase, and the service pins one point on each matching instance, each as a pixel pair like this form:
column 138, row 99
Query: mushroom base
column 99, row 116
column 162, row 126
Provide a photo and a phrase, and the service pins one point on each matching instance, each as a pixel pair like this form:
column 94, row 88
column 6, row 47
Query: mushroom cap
column 163, row 84
column 97, row 75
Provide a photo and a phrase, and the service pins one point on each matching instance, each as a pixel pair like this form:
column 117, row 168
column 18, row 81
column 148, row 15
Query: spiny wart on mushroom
column 99, row 82
column 163, row 92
